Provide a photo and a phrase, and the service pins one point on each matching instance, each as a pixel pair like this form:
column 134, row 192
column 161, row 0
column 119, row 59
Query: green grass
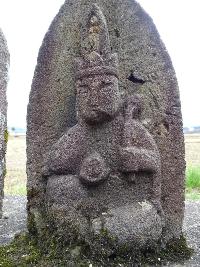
column 15, row 184
column 192, row 195
column 193, row 183
column 193, row 177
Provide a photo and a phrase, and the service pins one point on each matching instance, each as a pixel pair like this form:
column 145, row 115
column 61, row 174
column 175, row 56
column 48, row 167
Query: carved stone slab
column 144, row 68
column 4, row 64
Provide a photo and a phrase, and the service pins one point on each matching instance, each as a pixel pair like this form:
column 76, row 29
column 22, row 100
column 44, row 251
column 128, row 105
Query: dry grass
column 192, row 149
column 15, row 181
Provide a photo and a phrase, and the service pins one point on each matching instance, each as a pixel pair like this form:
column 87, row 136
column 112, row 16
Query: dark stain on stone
column 134, row 79
column 166, row 125
column 117, row 33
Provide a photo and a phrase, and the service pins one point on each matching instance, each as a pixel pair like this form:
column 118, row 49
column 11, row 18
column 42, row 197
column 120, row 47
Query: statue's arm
column 139, row 151
column 65, row 154
column 134, row 159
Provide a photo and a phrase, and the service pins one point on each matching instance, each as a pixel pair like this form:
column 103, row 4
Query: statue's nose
column 93, row 94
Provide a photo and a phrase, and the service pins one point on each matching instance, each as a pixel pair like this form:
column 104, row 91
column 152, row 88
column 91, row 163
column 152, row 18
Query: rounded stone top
column 4, row 66
column 4, row 53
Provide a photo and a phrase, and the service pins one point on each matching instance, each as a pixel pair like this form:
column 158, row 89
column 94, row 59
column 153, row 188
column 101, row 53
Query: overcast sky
column 24, row 23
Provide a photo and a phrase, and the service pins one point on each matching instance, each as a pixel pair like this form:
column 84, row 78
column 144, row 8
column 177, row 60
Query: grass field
column 192, row 152
column 192, row 149
column 15, row 182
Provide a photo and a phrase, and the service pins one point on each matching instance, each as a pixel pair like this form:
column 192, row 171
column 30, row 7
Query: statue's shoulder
column 76, row 133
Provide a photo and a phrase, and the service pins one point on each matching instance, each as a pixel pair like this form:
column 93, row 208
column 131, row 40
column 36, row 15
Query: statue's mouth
column 97, row 112
column 97, row 115
column 96, row 109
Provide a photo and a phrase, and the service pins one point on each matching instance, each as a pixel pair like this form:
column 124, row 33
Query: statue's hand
column 128, row 159
column 94, row 170
column 134, row 159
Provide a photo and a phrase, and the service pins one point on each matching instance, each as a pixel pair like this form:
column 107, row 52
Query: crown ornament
column 97, row 58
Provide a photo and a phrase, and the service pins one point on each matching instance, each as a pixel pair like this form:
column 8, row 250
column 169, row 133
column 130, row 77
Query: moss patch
column 61, row 244
column 6, row 135
column 21, row 252
column 26, row 252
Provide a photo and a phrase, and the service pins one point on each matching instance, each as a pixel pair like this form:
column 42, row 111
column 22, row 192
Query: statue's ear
column 78, row 63
column 134, row 103
column 136, row 100
column 77, row 90
column 139, row 101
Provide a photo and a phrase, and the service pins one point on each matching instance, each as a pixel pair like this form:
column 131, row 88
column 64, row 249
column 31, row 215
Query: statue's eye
column 106, row 83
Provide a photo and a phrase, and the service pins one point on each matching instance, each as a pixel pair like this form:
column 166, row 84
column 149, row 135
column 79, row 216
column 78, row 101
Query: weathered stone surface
column 4, row 64
column 140, row 159
column 14, row 222
column 14, row 218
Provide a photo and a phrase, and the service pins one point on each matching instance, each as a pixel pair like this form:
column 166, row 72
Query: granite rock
column 4, row 65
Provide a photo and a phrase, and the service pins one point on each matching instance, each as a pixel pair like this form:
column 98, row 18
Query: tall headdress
column 97, row 57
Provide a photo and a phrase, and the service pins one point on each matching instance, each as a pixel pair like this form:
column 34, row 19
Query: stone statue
column 105, row 147
column 105, row 171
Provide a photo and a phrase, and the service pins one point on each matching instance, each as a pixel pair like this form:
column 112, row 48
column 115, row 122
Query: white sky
column 25, row 22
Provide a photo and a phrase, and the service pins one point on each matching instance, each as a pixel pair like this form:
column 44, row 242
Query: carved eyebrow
column 107, row 82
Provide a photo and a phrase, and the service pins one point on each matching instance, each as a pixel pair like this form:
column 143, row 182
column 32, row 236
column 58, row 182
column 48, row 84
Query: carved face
column 98, row 98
